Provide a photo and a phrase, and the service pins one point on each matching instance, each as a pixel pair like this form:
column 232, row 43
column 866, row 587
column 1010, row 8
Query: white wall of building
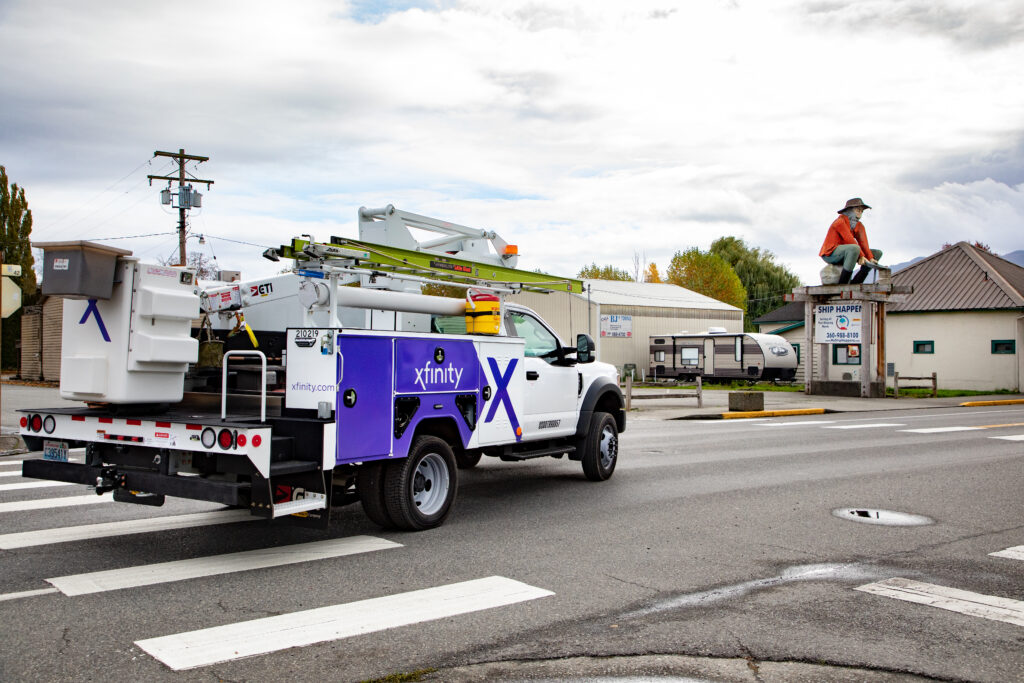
column 963, row 355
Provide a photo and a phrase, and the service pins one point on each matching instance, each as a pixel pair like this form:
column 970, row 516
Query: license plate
column 55, row 450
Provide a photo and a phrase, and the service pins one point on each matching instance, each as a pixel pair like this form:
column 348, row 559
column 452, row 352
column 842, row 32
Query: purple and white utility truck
column 386, row 417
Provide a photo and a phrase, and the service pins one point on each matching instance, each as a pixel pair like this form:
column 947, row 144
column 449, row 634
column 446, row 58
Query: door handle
column 532, row 374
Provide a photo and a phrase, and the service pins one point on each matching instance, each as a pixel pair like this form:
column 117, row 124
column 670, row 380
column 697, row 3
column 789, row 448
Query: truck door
column 552, row 391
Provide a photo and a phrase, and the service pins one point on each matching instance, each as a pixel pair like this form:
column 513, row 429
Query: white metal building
column 622, row 316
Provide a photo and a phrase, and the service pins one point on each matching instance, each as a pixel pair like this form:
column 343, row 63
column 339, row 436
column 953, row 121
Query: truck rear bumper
column 195, row 488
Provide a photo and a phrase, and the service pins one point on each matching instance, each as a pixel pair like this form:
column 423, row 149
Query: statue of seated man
column 846, row 244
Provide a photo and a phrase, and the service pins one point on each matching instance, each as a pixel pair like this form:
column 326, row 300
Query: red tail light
column 225, row 439
column 37, row 423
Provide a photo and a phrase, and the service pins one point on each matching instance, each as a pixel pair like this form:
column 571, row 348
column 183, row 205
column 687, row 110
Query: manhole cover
column 886, row 517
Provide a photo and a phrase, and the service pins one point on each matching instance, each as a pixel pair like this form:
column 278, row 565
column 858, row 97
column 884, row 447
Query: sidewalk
column 716, row 402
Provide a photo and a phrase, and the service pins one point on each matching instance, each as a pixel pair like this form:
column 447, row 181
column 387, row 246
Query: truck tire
column 419, row 491
column 467, row 461
column 601, row 447
column 370, row 485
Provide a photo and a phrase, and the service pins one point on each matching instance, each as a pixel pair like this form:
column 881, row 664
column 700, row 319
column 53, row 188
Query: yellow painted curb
column 1004, row 402
column 772, row 413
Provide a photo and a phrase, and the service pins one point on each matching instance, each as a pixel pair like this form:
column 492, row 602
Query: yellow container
column 483, row 314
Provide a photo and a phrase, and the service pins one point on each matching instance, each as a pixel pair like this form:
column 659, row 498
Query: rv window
column 688, row 355
column 659, row 356
column 924, row 347
column 796, row 348
column 739, row 349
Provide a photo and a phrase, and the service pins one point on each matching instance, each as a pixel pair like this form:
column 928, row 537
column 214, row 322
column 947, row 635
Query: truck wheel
column 419, row 491
column 467, row 461
column 370, row 485
column 601, row 447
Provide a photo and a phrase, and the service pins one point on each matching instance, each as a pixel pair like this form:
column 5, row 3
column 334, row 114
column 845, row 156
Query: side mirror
column 584, row 349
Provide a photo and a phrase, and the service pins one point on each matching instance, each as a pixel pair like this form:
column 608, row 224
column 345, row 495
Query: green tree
column 707, row 274
column 765, row 280
column 596, row 272
column 15, row 248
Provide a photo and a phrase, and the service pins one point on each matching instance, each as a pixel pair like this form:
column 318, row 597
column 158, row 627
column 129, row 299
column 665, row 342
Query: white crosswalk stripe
column 47, row 503
column 952, row 599
column 260, row 636
column 168, row 572
column 940, row 430
column 1014, row 437
column 86, row 532
column 1014, row 553
column 33, row 485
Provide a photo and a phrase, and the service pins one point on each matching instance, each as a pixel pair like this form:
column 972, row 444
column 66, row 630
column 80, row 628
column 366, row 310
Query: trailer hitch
column 109, row 480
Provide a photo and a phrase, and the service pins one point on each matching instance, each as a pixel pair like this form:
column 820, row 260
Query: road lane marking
column 1015, row 437
column 271, row 634
column 1010, row 424
column 800, row 422
column 34, row 485
column 869, row 425
column 16, row 473
column 27, row 594
column 952, row 599
column 939, row 430
column 1014, row 553
column 47, row 503
column 180, row 570
column 87, row 532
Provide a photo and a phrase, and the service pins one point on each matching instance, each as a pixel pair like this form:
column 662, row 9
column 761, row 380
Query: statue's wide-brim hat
column 853, row 204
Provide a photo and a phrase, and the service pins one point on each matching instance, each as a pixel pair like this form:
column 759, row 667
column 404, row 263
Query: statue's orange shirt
column 839, row 233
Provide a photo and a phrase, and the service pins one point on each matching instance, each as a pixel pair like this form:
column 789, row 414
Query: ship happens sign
column 837, row 323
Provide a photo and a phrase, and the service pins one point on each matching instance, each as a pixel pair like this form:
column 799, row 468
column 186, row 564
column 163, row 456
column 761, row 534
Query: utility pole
column 187, row 198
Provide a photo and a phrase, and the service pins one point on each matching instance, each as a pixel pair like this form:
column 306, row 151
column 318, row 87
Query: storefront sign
column 617, row 326
column 837, row 323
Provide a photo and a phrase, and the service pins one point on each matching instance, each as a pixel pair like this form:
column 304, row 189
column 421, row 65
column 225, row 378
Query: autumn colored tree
column 596, row 272
column 707, row 274
column 15, row 248
column 765, row 280
column 652, row 274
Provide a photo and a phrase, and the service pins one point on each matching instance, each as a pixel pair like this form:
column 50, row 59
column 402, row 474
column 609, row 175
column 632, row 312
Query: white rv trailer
column 720, row 355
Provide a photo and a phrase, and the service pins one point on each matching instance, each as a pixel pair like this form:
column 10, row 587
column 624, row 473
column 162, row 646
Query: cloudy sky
column 582, row 131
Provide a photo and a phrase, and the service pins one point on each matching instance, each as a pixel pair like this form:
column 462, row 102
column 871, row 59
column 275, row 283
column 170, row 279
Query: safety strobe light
column 225, row 439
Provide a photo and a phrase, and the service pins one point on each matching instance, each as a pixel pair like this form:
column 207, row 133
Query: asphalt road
column 714, row 552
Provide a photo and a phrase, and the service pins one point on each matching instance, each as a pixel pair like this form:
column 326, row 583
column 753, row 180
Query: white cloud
column 582, row 131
